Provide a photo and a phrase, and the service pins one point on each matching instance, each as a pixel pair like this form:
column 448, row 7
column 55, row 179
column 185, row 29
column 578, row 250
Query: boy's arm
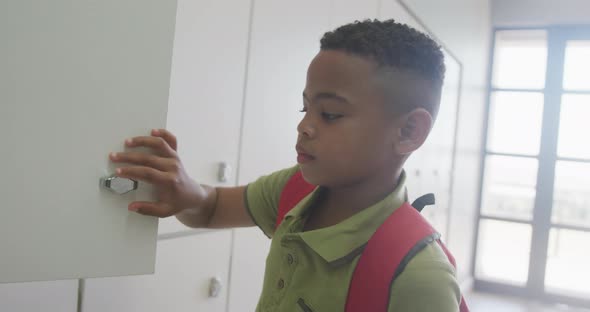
column 255, row 204
column 223, row 207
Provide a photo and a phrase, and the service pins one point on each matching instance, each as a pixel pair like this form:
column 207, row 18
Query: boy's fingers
column 160, row 210
column 152, row 161
column 157, row 144
column 167, row 136
column 144, row 174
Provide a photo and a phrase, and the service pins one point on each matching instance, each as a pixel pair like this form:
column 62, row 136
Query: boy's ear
column 413, row 129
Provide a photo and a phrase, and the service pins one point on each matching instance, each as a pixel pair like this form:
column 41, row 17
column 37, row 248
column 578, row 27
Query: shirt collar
column 343, row 241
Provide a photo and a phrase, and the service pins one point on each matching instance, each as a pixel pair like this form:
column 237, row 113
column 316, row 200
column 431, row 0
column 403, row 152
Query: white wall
column 464, row 27
column 540, row 12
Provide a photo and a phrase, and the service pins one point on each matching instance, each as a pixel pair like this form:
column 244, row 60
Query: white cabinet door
column 285, row 38
column 185, row 267
column 52, row 296
column 207, row 89
column 76, row 79
column 248, row 261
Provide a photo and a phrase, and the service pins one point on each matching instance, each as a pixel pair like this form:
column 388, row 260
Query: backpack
column 387, row 252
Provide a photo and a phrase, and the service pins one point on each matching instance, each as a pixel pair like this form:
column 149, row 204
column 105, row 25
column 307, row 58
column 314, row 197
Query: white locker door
column 51, row 296
column 184, row 272
column 206, row 95
column 207, row 89
column 76, row 79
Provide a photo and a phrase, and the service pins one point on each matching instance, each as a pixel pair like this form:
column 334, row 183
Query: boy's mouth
column 303, row 158
column 302, row 155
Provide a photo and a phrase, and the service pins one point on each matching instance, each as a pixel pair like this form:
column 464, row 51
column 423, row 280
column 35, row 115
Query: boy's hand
column 175, row 190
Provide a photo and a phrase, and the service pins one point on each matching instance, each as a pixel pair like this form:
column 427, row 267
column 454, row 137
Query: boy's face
column 346, row 135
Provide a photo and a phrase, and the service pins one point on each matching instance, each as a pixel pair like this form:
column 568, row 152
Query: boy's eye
column 330, row 117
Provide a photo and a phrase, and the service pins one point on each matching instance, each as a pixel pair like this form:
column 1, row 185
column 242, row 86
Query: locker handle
column 119, row 185
column 215, row 287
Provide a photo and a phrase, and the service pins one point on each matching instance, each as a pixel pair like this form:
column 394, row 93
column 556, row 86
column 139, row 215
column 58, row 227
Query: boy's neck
column 338, row 204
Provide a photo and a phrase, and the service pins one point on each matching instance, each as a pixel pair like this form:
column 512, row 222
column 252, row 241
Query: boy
column 371, row 97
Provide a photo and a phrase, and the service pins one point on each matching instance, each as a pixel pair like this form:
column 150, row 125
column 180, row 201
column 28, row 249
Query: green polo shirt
column 311, row 271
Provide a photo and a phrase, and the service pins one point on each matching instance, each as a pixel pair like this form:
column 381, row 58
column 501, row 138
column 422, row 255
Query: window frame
column 557, row 36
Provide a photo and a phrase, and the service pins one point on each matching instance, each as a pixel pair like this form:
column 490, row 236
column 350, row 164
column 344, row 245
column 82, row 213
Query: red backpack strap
column 294, row 191
column 384, row 258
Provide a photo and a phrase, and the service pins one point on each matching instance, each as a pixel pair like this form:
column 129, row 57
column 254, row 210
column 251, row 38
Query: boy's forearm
column 220, row 207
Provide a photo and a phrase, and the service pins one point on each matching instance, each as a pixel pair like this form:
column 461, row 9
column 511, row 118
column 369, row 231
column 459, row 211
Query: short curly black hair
column 393, row 46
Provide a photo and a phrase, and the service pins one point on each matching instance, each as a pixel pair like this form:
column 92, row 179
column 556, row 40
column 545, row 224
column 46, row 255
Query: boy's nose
column 305, row 128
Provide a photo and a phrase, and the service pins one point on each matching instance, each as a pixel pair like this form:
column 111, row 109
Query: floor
column 480, row 302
